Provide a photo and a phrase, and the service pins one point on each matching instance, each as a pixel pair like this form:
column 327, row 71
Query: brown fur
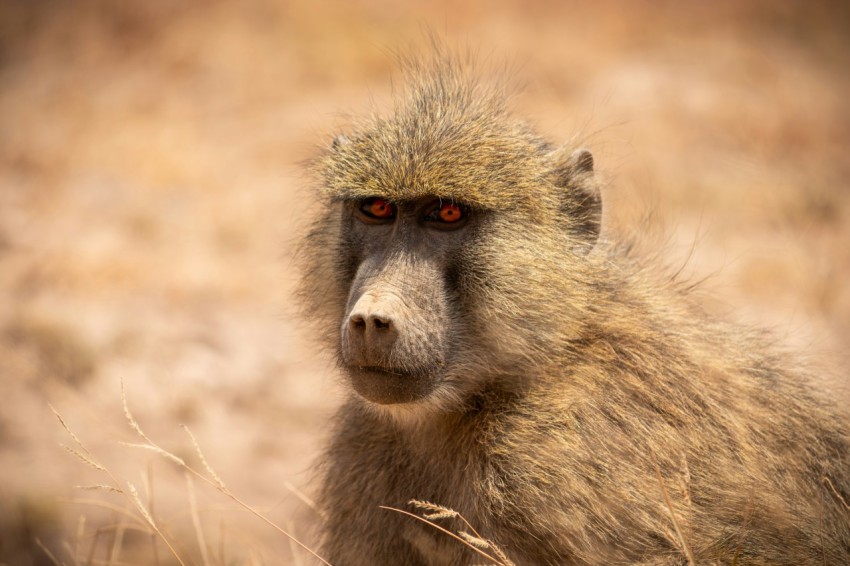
column 569, row 378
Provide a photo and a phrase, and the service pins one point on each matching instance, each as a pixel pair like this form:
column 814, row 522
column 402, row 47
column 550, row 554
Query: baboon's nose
column 374, row 322
column 372, row 333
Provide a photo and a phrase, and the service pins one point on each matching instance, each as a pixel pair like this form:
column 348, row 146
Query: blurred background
column 151, row 191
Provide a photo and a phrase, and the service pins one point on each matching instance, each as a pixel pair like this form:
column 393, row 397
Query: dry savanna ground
column 151, row 192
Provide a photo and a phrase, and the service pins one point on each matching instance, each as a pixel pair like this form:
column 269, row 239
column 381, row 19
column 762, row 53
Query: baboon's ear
column 582, row 160
column 339, row 141
column 581, row 201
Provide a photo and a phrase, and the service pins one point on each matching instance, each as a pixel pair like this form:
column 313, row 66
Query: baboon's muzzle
column 392, row 337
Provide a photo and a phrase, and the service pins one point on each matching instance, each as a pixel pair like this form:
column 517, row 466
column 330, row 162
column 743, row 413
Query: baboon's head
column 452, row 248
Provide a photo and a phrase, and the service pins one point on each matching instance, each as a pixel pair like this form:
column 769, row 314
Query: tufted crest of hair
column 449, row 136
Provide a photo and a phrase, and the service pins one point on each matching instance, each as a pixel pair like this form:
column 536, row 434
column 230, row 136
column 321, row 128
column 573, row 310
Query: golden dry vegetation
column 150, row 194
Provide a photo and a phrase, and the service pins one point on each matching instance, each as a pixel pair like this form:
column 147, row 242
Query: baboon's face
column 399, row 333
column 447, row 246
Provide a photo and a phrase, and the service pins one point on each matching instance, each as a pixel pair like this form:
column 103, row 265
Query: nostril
column 358, row 322
column 381, row 324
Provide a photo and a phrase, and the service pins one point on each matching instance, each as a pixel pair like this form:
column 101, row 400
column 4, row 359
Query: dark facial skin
column 396, row 336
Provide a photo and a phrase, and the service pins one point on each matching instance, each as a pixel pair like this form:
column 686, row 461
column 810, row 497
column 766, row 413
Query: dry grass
column 430, row 513
column 143, row 516
column 149, row 187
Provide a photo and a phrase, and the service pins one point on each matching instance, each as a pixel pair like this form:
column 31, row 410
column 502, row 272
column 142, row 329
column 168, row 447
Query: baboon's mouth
column 400, row 373
column 387, row 386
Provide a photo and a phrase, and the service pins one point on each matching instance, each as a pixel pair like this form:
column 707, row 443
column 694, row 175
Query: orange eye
column 378, row 208
column 450, row 212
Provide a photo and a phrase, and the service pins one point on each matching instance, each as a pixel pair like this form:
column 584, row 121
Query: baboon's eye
column 450, row 212
column 377, row 208
column 447, row 215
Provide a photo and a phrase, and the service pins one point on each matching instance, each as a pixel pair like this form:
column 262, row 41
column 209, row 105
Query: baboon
column 572, row 404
